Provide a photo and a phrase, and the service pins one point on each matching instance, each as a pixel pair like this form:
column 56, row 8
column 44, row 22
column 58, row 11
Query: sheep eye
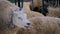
column 15, row 10
column 19, row 17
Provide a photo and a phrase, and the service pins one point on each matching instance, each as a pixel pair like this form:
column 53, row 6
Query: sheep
column 19, row 18
column 49, row 24
column 50, row 11
column 42, row 25
column 53, row 12
column 37, row 6
column 46, row 25
column 30, row 13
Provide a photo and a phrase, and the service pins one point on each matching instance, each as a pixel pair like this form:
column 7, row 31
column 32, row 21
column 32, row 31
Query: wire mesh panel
column 13, row 1
column 53, row 3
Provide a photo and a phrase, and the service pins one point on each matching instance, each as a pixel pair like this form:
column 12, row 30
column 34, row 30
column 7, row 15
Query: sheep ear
column 22, row 10
column 25, row 14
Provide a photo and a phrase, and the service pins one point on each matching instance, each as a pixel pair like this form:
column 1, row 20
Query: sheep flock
column 39, row 24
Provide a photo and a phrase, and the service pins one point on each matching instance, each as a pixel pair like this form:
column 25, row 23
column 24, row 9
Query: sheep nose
column 28, row 23
column 27, row 26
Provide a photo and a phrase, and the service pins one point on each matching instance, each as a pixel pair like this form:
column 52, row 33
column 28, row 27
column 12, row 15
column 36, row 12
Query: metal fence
column 53, row 3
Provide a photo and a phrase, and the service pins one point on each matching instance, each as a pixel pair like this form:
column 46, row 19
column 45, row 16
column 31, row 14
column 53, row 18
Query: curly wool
column 42, row 25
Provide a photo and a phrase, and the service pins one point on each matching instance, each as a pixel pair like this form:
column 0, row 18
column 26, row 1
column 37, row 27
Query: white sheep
column 46, row 25
column 19, row 19
column 29, row 12
column 42, row 25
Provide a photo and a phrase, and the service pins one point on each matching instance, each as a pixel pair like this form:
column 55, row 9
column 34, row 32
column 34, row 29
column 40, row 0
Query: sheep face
column 20, row 19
